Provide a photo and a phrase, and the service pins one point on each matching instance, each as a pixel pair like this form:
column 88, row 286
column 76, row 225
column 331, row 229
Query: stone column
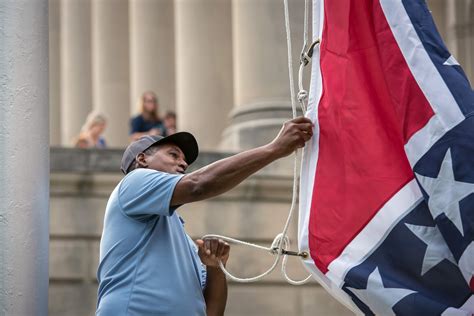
column 203, row 68
column 460, row 33
column 24, row 151
column 110, row 64
column 451, row 26
column 471, row 36
column 261, row 89
column 438, row 11
column 54, row 73
column 152, row 63
column 465, row 31
column 76, row 71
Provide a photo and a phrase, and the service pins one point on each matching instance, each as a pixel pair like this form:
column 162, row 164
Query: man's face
column 168, row 158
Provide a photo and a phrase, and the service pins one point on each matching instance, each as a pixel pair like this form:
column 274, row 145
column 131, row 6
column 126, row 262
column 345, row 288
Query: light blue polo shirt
column 148, row 264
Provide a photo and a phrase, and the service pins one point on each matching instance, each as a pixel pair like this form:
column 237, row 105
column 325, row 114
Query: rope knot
column 279, row 244
column 302, row 95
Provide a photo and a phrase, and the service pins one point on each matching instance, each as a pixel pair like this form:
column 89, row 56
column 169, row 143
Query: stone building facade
column 218, row 63
column 222, row 66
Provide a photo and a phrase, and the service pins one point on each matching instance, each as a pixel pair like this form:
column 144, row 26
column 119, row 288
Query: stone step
column 72, row 299
column 73, row 265
column 77, row 216
column 71, row 260
column 242, row 219
column 78, row 299
column 270, row 300
column 83, row 217
column 77, row 260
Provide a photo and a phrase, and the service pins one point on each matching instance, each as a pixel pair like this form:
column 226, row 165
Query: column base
column 258, row 124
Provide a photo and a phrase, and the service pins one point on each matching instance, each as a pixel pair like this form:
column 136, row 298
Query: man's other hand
column 211, row 250
column 293, row 135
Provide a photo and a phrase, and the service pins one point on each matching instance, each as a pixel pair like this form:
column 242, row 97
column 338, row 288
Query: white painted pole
column 24, row 157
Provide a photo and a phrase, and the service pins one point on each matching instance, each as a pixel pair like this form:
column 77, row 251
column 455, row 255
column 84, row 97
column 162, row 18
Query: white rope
column 275, row 243
column 281, row 241
column 302, row 93
column 290, row 57
column 293, row 107
column 287, row 225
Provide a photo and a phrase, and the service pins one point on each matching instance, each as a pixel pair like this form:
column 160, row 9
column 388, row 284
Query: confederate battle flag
column 387, row 182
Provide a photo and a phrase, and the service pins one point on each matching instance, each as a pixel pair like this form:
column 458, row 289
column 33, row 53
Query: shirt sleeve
column 145, row 192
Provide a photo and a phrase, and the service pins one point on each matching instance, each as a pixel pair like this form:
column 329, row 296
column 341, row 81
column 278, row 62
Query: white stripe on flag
column 447, row 112
column 466, row 263
column 311, row 150
column 375, row 231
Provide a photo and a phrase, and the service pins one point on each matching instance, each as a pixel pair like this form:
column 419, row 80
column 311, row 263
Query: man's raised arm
column 225, row 174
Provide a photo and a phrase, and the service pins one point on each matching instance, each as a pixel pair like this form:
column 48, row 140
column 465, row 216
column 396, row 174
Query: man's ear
column 141, row 159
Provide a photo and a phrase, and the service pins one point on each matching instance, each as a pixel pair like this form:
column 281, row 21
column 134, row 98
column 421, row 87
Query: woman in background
column 91, row 132
column 148, row 121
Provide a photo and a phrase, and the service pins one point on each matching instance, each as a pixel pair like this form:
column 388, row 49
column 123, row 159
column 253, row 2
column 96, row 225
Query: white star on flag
column 378, row 298
column 451, row 61
column 436, row 249
column 445, row 192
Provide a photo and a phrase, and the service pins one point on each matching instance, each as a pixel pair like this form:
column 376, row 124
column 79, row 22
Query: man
column 148, row 264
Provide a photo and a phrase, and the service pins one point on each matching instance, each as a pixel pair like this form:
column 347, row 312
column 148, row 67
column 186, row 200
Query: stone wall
column 81, row 181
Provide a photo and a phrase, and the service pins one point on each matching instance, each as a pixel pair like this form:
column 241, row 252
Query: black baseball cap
column 184, row 140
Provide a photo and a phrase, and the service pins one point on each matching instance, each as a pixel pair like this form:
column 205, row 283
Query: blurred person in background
column 148, row 121
column 91, row 132
column 170, row 122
